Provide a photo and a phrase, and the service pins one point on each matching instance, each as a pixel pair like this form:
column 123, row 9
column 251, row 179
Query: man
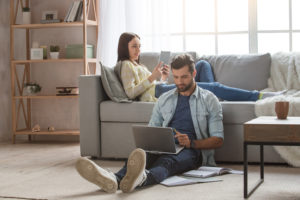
column 194, row 113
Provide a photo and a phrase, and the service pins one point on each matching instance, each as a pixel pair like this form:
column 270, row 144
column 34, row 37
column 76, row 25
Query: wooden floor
column 46, row 171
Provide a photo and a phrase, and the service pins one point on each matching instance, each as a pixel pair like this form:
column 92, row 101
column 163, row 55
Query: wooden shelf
column 54, row 25
column 21, row 104
column 45, row 97
column 46, row 132
column 89, row 60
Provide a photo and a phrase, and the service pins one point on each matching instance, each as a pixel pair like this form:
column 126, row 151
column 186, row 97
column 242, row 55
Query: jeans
column 205, row 79
column 161, row 166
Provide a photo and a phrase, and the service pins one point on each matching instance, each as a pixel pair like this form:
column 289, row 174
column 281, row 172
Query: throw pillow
column 112, row 85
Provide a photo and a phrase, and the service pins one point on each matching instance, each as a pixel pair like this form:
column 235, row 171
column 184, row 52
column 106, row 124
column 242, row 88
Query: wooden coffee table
column 268, row 130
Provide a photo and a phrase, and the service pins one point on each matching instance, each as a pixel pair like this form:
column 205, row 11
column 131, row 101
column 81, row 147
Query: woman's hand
column 156, row 73
column 165, row 72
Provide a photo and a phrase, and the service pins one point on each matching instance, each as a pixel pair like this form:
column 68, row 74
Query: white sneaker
column 97, row 175
column 135, row 175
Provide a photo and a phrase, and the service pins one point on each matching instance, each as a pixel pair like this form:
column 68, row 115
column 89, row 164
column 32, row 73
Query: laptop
column 157, row 140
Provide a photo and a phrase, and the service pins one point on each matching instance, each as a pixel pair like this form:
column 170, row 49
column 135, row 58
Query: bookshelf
column 22, row 69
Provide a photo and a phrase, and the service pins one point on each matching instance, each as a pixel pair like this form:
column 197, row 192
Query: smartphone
column 165, row 57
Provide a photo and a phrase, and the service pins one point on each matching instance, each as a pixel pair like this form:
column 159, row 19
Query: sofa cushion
column 237, row 112
column 140, row 112
column 250, row 72
column 136, row 111
column 112, row 85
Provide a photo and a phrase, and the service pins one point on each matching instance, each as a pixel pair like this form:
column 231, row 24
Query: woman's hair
column 182, row 60
column 123, row 52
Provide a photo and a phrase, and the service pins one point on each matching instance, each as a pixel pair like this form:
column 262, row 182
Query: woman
column 139, row 82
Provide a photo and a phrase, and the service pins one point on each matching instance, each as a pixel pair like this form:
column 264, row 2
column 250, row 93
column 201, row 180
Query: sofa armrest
column 91, row 93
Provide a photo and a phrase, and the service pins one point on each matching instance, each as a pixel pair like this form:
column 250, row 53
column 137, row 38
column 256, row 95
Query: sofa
column 105, row 125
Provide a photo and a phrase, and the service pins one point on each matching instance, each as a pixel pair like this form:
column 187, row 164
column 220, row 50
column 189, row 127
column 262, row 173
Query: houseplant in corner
column 26, row 15
column 54, row 51
column 31, row 88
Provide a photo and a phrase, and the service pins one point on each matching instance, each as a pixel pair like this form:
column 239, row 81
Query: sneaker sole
column 89, row 171
column 135, row 166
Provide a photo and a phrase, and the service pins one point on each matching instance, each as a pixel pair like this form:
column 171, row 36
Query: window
column 228, row 26
column 212, row 27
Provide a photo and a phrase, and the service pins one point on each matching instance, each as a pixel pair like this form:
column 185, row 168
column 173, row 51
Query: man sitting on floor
column 195, row 113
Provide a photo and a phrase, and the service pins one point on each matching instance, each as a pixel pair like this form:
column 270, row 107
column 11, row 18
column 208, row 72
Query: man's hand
column 183, row 139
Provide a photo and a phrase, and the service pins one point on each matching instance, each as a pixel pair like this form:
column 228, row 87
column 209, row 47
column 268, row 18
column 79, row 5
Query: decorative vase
column 54, row 55
column 26, row 17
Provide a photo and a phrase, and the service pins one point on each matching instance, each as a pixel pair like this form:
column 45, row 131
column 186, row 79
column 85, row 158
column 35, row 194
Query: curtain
column 150, row 19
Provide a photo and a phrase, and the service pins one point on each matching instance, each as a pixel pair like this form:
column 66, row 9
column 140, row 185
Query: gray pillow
column 112, row 85
column 250, row 72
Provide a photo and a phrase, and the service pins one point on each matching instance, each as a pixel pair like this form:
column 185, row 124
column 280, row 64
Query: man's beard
column 186, row 87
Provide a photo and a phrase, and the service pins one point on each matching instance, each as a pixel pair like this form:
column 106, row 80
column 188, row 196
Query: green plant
column 32, row 87
column 54, row 48
column 26, row 9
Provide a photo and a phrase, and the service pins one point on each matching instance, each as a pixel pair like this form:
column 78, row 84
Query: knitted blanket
column 285, row 74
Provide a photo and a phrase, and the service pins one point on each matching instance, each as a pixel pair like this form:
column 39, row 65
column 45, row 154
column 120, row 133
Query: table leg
column 261, row 180
column 262, row 162
column 245, row 171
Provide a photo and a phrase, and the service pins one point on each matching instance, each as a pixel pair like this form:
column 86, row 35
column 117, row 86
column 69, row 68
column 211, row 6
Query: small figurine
column 51, row 128
column 36, row 128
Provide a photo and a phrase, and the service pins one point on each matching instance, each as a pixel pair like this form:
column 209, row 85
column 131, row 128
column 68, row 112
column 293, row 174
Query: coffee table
column 268, row 130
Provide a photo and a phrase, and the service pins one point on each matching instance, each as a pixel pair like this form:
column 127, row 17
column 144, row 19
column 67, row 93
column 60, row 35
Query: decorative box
column 76, row 51
column 62, row 91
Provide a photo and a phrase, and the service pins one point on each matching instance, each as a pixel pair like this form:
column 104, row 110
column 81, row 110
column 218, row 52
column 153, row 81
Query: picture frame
column 36, row 53
column 49, row 15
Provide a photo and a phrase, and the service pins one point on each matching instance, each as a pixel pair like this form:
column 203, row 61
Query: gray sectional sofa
column 105, row 126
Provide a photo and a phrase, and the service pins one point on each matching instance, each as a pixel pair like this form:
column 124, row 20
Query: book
column 206, row 171
column 180, row 180
column 73, row 12
column 67, row 15
column 79, row 12
column 86, row 8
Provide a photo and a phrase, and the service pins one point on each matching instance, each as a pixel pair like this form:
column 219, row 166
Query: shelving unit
column 21, row 104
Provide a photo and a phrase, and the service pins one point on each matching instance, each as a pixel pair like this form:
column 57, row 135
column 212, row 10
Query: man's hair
column 123, row 52
column 182, row 60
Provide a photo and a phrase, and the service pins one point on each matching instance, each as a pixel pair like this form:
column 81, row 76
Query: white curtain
column 150, row 19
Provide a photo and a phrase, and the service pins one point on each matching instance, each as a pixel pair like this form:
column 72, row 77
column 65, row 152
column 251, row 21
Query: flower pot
column 31, row 90
column 54, row 55
column 26, row 17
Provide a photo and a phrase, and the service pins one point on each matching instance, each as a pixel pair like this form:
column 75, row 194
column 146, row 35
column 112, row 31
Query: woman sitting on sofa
column 139, row 82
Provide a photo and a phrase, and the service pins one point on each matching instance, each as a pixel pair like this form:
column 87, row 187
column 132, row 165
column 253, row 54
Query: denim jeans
column 205, row 79
column 161, row 166
column 204, row 72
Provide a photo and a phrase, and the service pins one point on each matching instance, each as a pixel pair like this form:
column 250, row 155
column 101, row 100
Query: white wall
column 62, row 114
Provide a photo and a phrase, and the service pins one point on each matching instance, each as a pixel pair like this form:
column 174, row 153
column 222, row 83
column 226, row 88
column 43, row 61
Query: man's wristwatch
column 192, row 144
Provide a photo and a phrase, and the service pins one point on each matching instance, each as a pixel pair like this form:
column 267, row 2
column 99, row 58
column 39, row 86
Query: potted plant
column 32, row 88
column 54, row 51
column 26, row 15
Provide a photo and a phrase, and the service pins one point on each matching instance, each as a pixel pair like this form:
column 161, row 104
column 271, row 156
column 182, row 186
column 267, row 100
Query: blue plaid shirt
column 206, row 114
